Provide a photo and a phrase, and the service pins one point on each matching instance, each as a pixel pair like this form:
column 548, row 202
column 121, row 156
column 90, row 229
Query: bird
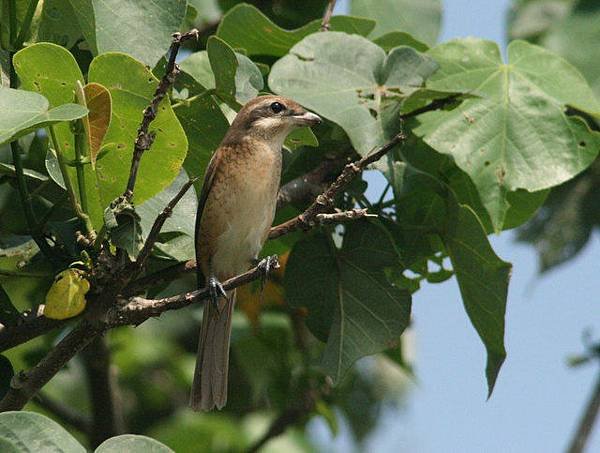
column 236, row 209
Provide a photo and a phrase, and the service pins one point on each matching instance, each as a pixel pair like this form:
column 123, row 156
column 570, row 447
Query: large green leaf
column 132, row 443
column 132, row 86
column 52, row 70
column 22, row 111
column 55, row 22
column 205, row 125
column 350, row 81
column 349, row 299
column 420, row 18
column 245, row 27
column 31, row 432
column 237, row 78
column 514, row 134
column 123, row 25
column 483, row 282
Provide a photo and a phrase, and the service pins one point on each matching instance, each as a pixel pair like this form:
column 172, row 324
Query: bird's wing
column 209, row 177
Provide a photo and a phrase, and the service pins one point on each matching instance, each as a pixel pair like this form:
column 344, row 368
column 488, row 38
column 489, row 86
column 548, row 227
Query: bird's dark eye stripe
column 277, row 107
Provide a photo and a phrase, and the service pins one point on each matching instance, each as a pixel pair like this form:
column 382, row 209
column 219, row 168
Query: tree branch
column 144, row 138
column 327, row 15
column 326, row 200
column 588, row 419
column 27, row 383
column 107, row 418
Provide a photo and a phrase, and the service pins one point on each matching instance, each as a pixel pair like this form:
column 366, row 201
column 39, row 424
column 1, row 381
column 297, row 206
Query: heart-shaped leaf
column 351, row 304
column 350, row 81
column 515, row 134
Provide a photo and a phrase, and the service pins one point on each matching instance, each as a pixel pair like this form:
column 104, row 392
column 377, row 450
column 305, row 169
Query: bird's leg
column 216, row 290
column 265, row 266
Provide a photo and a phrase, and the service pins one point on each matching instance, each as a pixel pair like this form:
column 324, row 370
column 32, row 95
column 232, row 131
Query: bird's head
column 270, row 118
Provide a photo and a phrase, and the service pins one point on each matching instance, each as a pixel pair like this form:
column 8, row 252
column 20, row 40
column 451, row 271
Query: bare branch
column 326, row 200
column 144, row 138
column 327, row 15
column 588, row 419
column 159, row 222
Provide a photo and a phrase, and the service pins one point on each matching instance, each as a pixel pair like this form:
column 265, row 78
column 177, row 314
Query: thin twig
column 587, row 422
column 144, row 138
column 326, row 200
column 327, row 15
column 159, row 222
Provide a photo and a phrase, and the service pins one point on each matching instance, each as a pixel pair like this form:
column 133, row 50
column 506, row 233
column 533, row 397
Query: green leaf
column 22, row 112
column 22, row 431
column 53, row 71
column 183, row 218
column 531, row 18
column 483, row 282
column 205, row 125
column 55, row 22
column 349, row 300
column 399, row 38
column 245, row 27
column 117, row 26
column 197, row 65
column 237, row 78
column 347, row 79
column 420, row 18
column 9, row 169
column 287, row 13
column 132, row 443
column 124, row 228
column 515, row 134
column 132, row 86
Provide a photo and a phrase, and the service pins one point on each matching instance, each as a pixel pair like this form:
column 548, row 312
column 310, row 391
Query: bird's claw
column 267, row 264
column 216, row 290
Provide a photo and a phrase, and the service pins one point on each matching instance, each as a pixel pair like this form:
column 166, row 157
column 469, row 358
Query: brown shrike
column 235, row 212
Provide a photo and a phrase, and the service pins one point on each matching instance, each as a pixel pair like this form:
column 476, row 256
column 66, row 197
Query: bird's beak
column 306, row 119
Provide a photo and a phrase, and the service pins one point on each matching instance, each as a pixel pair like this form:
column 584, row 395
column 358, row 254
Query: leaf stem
column 68, row 185
column 12, row 23
column 23, row 33
column 80, row 146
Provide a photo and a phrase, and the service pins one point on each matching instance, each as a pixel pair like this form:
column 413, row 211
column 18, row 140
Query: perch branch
column 327, row 15
column 144, row 138
column 326, row 200
column 588, row 419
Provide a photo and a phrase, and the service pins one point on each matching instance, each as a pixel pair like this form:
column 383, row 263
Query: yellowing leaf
column 99, row 103
column 66, row 297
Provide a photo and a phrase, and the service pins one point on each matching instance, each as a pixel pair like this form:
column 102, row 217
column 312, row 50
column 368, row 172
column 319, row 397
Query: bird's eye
column 277, row 107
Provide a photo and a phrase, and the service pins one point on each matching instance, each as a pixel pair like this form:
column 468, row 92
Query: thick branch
column 107, row 418
column 144, row 138
column 26, row 384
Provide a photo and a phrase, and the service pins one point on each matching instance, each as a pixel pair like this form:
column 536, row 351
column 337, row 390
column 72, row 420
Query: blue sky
column 538, row 398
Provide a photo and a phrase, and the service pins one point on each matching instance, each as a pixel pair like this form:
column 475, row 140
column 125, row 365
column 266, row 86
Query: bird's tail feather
column 209, row 388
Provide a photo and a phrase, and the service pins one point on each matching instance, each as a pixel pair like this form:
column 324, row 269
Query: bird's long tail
column 209, row 388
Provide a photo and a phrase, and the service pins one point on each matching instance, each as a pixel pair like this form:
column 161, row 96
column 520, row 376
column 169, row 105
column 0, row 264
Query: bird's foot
column 216, row 290
column 266, row 265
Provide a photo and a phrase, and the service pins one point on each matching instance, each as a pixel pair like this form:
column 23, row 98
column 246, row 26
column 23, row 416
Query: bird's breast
column 246, row 195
